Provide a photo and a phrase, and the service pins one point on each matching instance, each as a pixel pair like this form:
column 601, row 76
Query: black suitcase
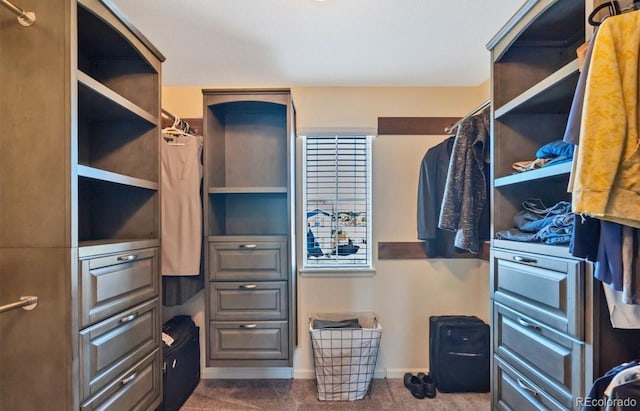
column 181, row 366
column 459, row 355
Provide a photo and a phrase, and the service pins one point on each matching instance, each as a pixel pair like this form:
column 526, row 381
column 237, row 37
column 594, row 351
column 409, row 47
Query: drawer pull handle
column 247, row 326
column 128, row 318
column 529, row 325
column 129, row 257
column 249, row 246
column 521, row 259
column 524, row 386
column 128, row 379
column 248, row 286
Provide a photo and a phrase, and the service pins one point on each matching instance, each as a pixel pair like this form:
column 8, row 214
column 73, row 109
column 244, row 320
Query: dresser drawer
column 547, row 289
column 112, row 283
column 550, row 359
column 137, row 389
column 512, row 391
column 247, row 260
column 260, row 340
column 112, row 346
column 244, row 301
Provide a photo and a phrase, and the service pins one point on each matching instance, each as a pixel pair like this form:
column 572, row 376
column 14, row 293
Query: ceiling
column 266, row 43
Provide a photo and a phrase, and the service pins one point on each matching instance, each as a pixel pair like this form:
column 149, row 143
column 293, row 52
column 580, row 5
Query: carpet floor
column 298, row 394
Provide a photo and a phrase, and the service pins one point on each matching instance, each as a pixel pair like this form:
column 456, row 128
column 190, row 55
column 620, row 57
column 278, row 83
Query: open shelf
column 100, row 102
column 108, row 176
column 248, row 213
column 251, row 145
column 112, row 211
column 539, row 175
column 554, row 91
column 538, row 42
column 108, row 55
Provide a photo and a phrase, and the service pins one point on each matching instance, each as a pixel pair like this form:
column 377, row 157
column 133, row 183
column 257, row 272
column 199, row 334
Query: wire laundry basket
column 345, row 358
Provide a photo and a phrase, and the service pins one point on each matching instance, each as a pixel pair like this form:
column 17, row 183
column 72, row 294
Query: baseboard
column 231, row 373
column 400, row 372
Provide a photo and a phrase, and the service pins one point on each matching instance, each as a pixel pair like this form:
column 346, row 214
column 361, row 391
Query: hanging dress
column 181, row 170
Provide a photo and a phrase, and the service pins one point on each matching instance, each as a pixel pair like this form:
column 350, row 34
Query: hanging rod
column 25, row 18
column 451, row 129
column 163, row 111
column 28, row 303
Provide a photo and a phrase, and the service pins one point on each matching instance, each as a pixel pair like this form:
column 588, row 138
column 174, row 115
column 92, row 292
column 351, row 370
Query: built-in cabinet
column 79, row 193
column 551, row 334
column 249, row 227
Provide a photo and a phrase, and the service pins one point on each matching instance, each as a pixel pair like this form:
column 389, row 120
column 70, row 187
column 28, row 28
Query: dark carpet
column 298, row 394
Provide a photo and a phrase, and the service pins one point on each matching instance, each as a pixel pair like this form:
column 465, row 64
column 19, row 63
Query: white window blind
column 337, row 201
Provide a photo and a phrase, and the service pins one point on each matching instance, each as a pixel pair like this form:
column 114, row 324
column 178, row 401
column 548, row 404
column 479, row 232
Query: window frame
column 336, row 268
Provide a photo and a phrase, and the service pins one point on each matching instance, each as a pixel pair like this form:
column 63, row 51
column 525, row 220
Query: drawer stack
column 248, row 299
column 538, row 332
column 119, row 336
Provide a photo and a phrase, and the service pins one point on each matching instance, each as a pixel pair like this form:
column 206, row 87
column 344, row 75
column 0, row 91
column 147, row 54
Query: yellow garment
column 607, row 180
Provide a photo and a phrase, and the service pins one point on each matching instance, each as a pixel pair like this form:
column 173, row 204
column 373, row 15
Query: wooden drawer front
column 248, row 301
column 551, row 360
column 266, row 340
column 512, row 391
column 546, row 289
column 110, row 284
column 233, row 261
column 112, row 346
column 136, row 389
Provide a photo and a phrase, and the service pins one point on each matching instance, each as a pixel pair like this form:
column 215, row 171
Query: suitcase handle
column 529, row 325
column 248, row 325
column 129, row 257
column 127, row 380
column 521, row 259
column 128, row 318
column 525, row 387
column 248, row 286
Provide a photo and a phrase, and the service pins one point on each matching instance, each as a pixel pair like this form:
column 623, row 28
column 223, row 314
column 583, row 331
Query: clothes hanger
column 174, row 132
column 613, row 7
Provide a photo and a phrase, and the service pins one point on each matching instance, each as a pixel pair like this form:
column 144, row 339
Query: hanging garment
column 606, row 183
column 431, row 186
column 596, row 393
column 465, row 204
column 181, row 206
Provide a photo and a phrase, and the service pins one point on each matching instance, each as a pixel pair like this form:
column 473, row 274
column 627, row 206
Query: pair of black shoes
column 421, row 385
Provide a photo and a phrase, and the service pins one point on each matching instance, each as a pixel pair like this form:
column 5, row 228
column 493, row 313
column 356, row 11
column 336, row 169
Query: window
column 337, row 202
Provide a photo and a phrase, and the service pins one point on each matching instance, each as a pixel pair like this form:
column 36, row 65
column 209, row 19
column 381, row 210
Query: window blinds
column 337, row 200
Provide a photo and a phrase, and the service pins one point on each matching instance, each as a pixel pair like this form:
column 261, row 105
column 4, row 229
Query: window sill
column 337, row 272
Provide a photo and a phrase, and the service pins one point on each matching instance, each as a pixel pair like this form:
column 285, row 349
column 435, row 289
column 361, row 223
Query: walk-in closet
column 310, row 204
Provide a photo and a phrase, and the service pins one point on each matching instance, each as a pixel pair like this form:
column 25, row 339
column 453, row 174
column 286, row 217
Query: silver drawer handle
column 128, row 318
column 248, row 246
column 247, row 326
column 529, row 325
column 521, row 259
column 526, row 388
column 248, row 286
column 129, row 257
column 128, row 379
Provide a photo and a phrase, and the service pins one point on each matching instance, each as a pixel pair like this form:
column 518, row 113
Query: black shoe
column 429, row 386
column 414, row 385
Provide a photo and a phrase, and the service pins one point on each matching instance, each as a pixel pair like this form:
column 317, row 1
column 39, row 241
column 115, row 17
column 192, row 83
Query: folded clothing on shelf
column 537, row 222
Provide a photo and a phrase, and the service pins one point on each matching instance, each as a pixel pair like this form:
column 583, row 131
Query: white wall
column 403, row 293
